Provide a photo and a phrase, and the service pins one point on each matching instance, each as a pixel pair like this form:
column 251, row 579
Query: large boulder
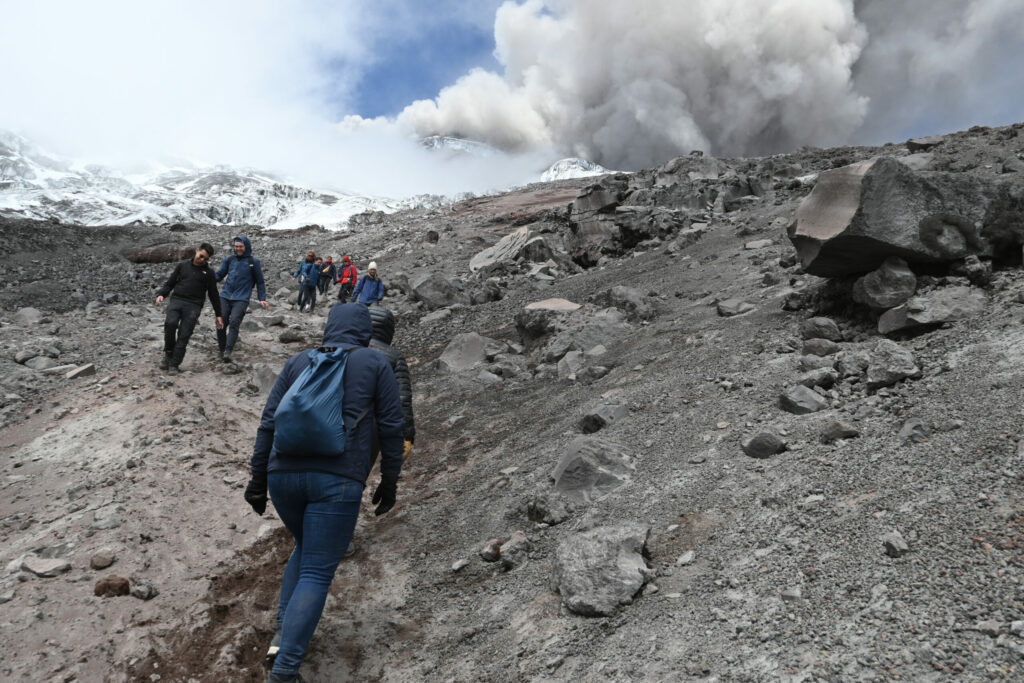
column 889, row 285
column 592, row 228
column 592, row 467
column 159, row 253
column 859, row 215
column 436, row 291
column 520, row 243
column 934, row 308
column 598, row 571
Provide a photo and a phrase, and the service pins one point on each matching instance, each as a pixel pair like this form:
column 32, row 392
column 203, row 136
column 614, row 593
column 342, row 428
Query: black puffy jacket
column 383, row 332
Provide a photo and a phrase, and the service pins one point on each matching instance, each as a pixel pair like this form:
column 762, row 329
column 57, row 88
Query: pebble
column 459, row 564
column 763, row 445
column 686, row 558
column 102, row 559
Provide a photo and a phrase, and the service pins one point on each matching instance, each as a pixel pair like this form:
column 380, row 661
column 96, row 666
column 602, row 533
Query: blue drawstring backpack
column 309, row 421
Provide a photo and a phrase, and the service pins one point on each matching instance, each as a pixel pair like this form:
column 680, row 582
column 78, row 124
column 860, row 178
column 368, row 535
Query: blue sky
column 417, row 66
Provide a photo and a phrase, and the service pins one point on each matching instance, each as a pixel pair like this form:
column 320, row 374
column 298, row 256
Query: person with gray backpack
column 312, row 457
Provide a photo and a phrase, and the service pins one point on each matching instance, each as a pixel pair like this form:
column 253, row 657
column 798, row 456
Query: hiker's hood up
column 244, row 240
column 348, row 324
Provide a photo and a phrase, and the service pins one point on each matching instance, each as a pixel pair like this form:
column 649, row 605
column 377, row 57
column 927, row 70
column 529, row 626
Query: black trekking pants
column 181, row 320
column 344, row 292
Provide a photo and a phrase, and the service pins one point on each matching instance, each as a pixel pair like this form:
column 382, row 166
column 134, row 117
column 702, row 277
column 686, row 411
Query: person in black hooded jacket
column 318, row 497
column 383, row 332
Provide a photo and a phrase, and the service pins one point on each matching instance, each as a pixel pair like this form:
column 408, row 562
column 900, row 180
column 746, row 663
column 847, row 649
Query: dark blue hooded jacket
column 369, row 381
column 239, row 284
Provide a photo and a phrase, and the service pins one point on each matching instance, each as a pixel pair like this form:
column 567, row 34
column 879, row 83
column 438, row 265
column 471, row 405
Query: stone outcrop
column 934, row 308
column 518, row 244
column 857, row 216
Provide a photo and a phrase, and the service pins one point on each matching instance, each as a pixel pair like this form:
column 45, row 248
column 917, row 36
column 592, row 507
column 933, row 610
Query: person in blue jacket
column 318, row 498
column 308, row 276
column 243, row 272
column 370, row 289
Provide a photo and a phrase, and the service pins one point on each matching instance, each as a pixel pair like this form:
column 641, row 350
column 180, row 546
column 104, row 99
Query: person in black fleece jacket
column 191, row 281
column 318, row 497
column 383, row 332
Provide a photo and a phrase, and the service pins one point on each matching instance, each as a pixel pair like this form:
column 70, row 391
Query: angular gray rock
column 86, row 370
column 515, row 550
column 41, row 363
column 631, row 301
column 436, row 291
column 763, row 445
column 731, row 307
column 836, row 430
column 820, row 328
column 291, row 335
column 820, row 347
column 520, row 243
column 895, row 545
column 820, row 377
column 859, row 215
column 570, row 364
column 464, row 352
column 940, row 306
column 45, row 567
column 592, row 228
column 889, row 285
column 914, row 431
column 263, row 378
column 800, row 400
column 601, row 416
column 924, row 144
column 592, row 467
column 598, row 571
column 143, row 590
column 28, row 316
column 890, row 363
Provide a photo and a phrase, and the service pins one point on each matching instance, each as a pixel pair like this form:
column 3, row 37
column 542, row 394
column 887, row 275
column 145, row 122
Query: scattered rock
column 686, row 558
column 631, row 301
column 601, row 416
column 819, row 377
column 292, row 336
column 491, row 552
column 28, row 316
column 435, row 291
column 836, row 430
column 895, row 545
column 914, row 431
column 111, row 587
column 159, row 253
column 924, row 144
column 463, row 352
column 820, row 347
column 592, row 467
column 102, row 559
column 82, row 371
column 891, row 284
column 143, row 590
column 562, row 305
column 548, row 508
column 732, row 307
column 940, row 306
column 598, row 571
column 800, row 400
column 764, row 445
column 820, row 328
column 45, row 567
column 514, row 551
column 460, row 564
column 890, row 363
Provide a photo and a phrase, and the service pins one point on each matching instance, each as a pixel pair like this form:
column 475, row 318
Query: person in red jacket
column 347, row 278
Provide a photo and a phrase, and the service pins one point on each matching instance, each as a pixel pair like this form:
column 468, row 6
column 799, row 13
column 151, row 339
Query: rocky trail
column 651, row 445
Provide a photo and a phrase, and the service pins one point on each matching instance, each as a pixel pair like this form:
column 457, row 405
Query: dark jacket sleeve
column 211, row 292
column 388, row 415
column 172, row 280
column 359, row 288
column 261, row 286
column 405, row 392
column 265, row 432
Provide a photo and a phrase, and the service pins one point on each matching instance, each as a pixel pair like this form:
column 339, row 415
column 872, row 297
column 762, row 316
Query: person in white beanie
column 370, row 289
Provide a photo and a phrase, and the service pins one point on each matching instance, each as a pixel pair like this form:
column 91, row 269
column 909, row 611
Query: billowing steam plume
column 631, row 84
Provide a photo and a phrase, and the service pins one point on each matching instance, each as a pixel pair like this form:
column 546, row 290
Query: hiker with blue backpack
column 370, row 289
column 313, row 457
column 243, row 272
column 308, row 276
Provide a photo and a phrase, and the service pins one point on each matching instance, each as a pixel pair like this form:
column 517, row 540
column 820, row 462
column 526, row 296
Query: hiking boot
column 172, row 370
column 226, row 356
column 275, row 647
column 350, row 551
column 285, row 678
column 164, row 362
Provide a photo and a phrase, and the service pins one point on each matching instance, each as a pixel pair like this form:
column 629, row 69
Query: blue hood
column 244, row 240
column 348, row 324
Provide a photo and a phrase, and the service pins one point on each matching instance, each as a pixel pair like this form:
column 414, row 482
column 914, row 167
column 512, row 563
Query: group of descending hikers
column 332, row 411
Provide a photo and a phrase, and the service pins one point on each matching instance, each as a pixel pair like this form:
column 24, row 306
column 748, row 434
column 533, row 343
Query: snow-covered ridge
column 572, row 168
column 36, row 185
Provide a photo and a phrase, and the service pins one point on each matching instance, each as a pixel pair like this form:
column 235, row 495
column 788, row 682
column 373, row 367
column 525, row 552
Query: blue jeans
column 307, row 295
column 320, row 511
column 232, row 310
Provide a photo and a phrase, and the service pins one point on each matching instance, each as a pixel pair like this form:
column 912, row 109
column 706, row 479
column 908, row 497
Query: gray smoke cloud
column 630, row 85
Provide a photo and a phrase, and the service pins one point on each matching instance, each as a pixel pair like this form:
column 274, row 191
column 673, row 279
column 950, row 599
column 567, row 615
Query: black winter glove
column 384, row 496
column 256, row 493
